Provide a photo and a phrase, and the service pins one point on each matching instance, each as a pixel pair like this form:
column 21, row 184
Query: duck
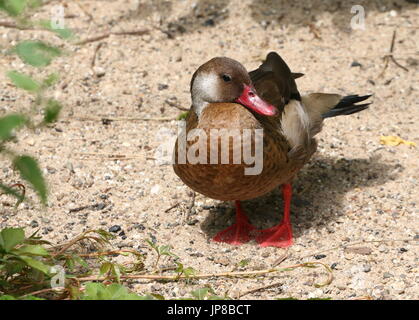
column 247, row 133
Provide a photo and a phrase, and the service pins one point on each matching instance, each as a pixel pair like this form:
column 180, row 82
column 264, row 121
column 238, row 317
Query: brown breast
column 229, row 181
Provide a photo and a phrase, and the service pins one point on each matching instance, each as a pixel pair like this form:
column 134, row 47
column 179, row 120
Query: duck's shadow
column 318, row 194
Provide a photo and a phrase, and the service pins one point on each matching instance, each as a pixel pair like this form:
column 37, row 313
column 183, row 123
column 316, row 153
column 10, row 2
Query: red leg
column 239, row 232
column 280, row 235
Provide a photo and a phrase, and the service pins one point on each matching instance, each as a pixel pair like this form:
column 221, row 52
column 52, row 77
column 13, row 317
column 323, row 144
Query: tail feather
column 347, row 105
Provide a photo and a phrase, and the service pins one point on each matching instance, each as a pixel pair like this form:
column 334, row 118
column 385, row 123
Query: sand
column 355, row 193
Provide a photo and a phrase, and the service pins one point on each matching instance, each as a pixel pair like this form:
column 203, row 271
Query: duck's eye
column 226, row 77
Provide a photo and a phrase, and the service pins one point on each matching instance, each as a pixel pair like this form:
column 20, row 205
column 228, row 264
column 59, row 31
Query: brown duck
column 247, row 133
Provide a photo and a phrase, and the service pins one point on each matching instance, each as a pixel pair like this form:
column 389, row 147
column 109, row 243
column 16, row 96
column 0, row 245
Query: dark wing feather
column 275, row 82
column 347, row 105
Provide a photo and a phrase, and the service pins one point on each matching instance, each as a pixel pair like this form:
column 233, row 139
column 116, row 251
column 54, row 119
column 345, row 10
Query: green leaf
column 94, row 291
column 183, row 115
column 36, row 53
column 152, row 244
column 7, row 297
column 189, row 271
column 81, row 261
column 200, row 294
column 98, row 291
column 179, row 268
column 105, row 268
column 116, row 291
column 70, row 263
column 158, row 296
column 244, row 262
column 36, row 264
column 50, row 80
column 12, row 266
column 10, row 122
column 105, row 235
column 165, row 251
column 11, row 237
column 23, row 81
column 52, row 110
column 29, row 249
column 29, row 170
column 13, row 7
column 63, row 33
column 116, row 271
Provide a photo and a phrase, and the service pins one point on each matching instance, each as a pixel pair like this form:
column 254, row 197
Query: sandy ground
column 354, row 189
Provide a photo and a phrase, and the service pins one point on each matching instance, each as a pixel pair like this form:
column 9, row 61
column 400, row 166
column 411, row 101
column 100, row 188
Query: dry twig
column 217, row 275
column 389, row 57
column 115, row 33
column 97, row 48
column 259, row 289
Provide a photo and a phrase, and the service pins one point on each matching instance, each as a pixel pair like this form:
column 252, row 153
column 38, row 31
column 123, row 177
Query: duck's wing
column 320, row 106
column 275, row 82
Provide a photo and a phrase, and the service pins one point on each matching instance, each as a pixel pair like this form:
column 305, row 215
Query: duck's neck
column 198, row 105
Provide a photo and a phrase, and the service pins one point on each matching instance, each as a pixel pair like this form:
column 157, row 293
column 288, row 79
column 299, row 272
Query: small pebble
column 99, row 206
column 265, row 254
column 209, row 23
column 115, row 228
column 366, row 268
column 320, row 256
column 51, row 170
column 155, row 189
column 34, row 224
column 196, row 254
column 192, row 222
column 99, row 71
column 356, row 64
column 139, row 226
column 222, row 260
column 162, row 86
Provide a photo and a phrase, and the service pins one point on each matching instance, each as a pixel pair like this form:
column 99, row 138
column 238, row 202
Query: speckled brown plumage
column 228, row 181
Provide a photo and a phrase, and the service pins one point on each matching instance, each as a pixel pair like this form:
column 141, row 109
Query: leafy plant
column 163, row 250
column 188, row 271
column 37, row 54
column 28, row 263
column 114, row 291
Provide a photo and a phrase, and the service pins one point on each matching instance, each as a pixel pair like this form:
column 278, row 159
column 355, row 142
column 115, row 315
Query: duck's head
column 224, row 80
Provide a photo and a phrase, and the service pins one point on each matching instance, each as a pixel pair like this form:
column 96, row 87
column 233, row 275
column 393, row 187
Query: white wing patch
column 295, row 123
